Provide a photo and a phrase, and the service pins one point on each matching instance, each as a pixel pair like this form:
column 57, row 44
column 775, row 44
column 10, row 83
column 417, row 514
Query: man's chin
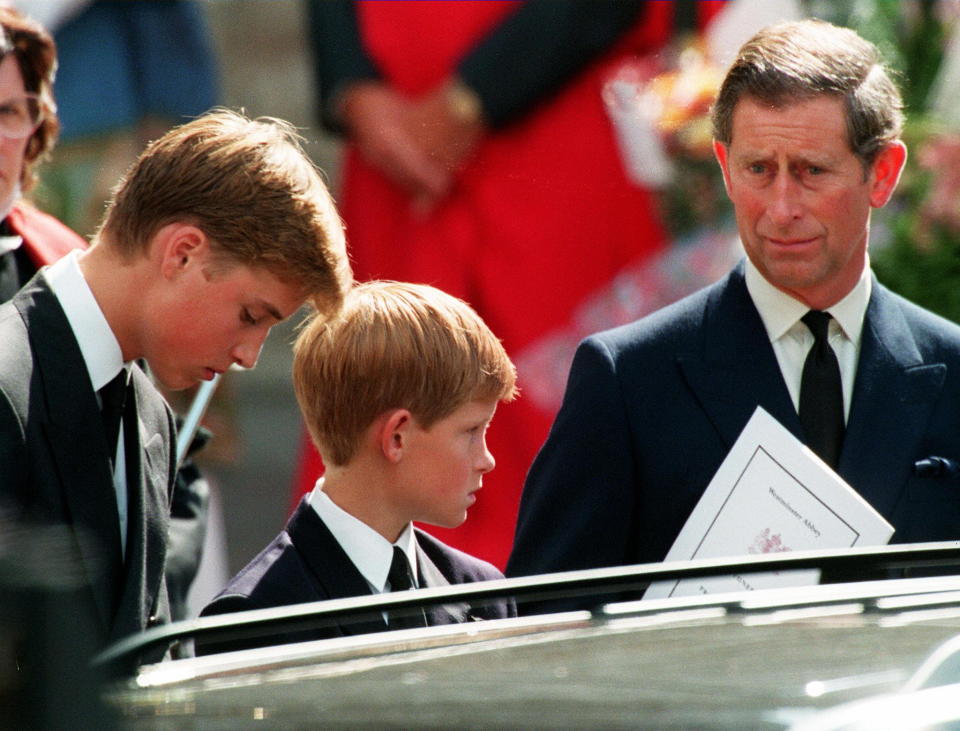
column 174, row 382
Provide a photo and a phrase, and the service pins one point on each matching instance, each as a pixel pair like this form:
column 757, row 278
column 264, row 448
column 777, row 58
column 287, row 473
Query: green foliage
column 920, row 258
column 696, row 198
column 928, row 275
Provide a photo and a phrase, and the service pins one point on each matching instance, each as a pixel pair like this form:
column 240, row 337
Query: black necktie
column 401, row 579
column 821, row 393
column 112, row 398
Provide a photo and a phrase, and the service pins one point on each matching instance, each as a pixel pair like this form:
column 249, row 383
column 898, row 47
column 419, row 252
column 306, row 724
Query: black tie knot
column 818, row 322
column 401, row 579
column 112, row 399
column 400, row 575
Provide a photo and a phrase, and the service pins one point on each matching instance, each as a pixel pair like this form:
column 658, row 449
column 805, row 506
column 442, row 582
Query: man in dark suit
column 221, row 229
column 31, row 239
column 397, row 393
column 806, row 128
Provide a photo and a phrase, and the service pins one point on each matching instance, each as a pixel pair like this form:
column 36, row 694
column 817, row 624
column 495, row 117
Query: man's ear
column 886, row 172
column 393, row 434
column 720, row 151
column 179, row 246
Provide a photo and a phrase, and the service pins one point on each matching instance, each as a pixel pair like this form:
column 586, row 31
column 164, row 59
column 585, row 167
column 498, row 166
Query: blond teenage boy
column 397, row 393
column 221, row 229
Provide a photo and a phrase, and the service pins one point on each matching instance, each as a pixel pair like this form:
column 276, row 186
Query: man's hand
column 447, row 124
column 380, row 122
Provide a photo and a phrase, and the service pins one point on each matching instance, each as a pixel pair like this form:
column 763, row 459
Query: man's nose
column 785, row 204
column 246, row 353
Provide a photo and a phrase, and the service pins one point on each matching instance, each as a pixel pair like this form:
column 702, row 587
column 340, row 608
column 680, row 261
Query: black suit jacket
column 652, row 408
column 55, row 466
column 305, row 563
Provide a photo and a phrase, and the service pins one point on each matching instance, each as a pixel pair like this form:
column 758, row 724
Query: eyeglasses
column 20, row 116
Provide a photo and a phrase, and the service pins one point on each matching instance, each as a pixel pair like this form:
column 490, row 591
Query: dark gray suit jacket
column 55, row 467
column 305, row 563
column 652, row 408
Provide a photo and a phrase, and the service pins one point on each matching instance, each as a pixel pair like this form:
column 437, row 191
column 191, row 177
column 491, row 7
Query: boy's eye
column 246, row 317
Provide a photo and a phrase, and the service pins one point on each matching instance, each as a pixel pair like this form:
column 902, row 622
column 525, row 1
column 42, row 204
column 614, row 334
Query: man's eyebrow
column 752, row 155
column 271, row 310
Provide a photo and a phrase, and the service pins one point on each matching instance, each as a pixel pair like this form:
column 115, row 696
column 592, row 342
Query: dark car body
column 764, row 659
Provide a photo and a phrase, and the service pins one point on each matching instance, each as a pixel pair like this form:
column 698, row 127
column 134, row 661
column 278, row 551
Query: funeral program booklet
column 770, row 494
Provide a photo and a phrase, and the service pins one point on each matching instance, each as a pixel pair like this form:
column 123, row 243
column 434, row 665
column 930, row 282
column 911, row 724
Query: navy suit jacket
column 652, row 408
column 305, row 563
column 55, row 466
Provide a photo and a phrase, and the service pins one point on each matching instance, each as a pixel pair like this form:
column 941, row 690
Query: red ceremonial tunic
column 45, row 239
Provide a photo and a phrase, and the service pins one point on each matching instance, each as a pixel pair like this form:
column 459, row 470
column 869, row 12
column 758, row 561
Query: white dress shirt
column 369, row 551
column 791, row 339
column 99, row 348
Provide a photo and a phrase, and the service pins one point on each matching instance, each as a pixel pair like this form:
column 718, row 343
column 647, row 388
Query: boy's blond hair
column 394, row 345
column 250, row 187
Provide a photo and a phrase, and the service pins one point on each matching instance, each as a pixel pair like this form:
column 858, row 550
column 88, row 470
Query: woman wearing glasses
column 29, row 239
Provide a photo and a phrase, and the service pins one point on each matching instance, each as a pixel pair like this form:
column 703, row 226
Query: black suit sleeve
column 187, row 532
column 522, row 62
column 538, row 49
column 338, row 54
column 578, row 506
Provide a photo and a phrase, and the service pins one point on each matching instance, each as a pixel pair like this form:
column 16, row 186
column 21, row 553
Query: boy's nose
column 487, row 462
column 247, row 353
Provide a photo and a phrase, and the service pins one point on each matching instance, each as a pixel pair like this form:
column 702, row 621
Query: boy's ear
column 178, row 246
column 395, row 433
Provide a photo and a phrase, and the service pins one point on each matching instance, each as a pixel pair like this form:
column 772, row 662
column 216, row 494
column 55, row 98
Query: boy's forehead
column 477, row 408
column 277, row 297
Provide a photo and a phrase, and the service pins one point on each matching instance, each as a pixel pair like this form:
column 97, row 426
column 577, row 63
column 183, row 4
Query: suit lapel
column 336, row 575
column 894, row 394
column 429, row 576
column 76, row 441
column 736, row 369
column 147, row 512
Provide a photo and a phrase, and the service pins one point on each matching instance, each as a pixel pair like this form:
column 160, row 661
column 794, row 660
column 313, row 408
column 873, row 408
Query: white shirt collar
column 780, row 312
column 369, row 551
column 10, row 243
column 98, row 345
